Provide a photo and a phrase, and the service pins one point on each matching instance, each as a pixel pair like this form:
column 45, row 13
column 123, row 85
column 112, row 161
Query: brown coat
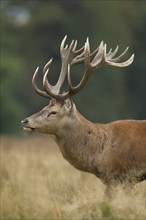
column 114, row 152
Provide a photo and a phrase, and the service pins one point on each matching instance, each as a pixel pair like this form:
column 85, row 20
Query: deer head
column 61, row 109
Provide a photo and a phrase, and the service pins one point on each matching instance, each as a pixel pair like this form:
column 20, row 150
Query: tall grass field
column 37, row 183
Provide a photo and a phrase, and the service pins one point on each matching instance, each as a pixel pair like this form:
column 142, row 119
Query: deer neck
column 80, row 142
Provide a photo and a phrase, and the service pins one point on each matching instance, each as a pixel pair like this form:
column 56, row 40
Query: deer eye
column 52, row 113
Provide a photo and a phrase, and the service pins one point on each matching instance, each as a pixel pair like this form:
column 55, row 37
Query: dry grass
column 37, row 183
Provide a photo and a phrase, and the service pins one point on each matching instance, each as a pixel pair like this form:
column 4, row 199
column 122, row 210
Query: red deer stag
column 114, row 152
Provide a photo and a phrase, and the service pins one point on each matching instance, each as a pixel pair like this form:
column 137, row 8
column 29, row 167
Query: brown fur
column 114, row 152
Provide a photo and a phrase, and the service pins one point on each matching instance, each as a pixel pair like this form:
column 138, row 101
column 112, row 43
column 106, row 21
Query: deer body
column 114, row 152
column 108, row 151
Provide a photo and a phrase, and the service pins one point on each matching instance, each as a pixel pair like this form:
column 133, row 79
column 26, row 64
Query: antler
column 70, row 56
column 99, row 58
column 68, row 53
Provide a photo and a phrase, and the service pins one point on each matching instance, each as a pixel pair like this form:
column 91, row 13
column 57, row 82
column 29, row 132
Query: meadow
column 37, row 183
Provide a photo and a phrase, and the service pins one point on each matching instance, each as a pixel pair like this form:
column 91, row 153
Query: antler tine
column 87, row 73
column 62, row 48
column 113, row 61
column 48, row 88
column 94, row 53
column 99, row 57
column 46, row 85
column 66, row 55
column 110, row 51
column 120, row 56
column 48, row 93
column 112, row 54
column 47, row 65
column 123, row 64
column 80, row 58
column 79, row 52
column 40, row 92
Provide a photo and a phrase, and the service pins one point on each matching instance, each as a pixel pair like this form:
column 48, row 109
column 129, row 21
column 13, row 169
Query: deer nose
column 24, row 122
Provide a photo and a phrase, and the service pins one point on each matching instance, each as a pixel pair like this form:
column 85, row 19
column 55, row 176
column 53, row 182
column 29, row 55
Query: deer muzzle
column 25, row 125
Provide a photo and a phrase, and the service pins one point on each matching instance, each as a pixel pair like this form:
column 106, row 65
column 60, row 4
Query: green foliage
column 31, row 32
column 106, row 211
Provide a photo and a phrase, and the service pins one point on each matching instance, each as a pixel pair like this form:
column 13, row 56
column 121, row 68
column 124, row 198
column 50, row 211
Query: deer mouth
column 28, row 128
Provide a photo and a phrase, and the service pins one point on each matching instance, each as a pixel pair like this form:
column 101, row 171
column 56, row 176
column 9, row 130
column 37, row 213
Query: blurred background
column 31, row 33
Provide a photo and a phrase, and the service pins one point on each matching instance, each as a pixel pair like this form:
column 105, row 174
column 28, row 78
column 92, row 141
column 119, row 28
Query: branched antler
column 69, row 57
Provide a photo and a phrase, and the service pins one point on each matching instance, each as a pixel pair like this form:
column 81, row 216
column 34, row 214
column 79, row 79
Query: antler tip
column 34, row 76
column 51, row 60
column 87, row 40
column 37, row 69
column 132, row 57
column 63, row 42
column 102, row 44
column 65, row 37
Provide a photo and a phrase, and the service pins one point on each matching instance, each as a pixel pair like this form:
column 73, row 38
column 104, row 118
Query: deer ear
column 68, row 104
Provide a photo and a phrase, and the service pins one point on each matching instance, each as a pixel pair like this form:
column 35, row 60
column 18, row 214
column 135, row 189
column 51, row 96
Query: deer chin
column 28, row 129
